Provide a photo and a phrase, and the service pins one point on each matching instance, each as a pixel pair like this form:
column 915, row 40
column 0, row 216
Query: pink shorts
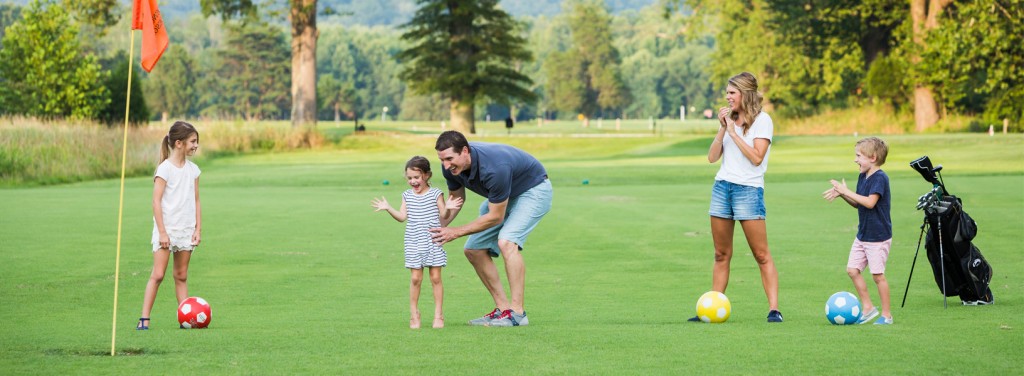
column 870, row 254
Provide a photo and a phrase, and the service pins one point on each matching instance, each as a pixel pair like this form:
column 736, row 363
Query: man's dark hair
column 451, row 139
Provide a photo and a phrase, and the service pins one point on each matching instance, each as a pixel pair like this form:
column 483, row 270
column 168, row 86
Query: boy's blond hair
column 874, row 147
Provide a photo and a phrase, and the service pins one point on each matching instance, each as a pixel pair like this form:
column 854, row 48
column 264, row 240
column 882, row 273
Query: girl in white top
column 742, row 143
column 422, row 208
column 176, row 213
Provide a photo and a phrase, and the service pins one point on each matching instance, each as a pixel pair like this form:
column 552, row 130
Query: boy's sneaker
column 774, row 316
column 483, row 321
column 510, row 318
column 868, row 316
column 884, row 321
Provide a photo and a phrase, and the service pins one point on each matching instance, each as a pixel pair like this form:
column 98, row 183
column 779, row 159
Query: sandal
column 143, row 324
column 438, row 322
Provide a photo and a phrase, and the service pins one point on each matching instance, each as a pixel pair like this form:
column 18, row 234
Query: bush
column 885, row 81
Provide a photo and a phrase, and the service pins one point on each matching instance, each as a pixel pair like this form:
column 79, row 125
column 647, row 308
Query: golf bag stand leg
column 912, row 264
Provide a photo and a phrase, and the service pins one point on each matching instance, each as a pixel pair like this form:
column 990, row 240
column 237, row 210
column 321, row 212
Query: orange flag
column 146, row 17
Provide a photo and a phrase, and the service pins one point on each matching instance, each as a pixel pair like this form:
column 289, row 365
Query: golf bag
column 948, row 242
column 958, row 266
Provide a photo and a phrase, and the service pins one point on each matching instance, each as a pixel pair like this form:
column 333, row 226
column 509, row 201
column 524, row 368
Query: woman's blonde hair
column 750, row 99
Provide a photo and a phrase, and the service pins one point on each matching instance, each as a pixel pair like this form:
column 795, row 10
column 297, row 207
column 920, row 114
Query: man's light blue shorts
column 522, row 215
column 737, row 202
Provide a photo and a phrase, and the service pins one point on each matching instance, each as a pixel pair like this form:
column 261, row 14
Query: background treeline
column 592, row 59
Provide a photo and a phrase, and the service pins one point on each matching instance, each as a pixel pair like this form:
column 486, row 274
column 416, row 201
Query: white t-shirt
column 736, row 168
column 178, row 203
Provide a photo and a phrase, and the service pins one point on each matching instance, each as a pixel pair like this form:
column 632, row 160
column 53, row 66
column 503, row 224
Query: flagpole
column 120, row 206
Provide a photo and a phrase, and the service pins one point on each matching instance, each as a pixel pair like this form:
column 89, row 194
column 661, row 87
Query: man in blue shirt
column 518, row 195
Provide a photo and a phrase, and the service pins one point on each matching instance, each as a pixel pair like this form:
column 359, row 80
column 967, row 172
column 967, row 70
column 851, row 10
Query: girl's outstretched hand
column 453, row 203
column 380, row 204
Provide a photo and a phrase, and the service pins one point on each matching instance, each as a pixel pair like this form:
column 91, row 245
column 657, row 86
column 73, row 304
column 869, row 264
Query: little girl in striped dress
column 423, row 208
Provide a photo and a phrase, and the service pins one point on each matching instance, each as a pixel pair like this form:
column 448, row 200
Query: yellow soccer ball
column 713, row 307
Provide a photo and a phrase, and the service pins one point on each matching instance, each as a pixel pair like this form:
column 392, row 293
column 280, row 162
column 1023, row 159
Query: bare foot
column 438, row 322
column 414, row 322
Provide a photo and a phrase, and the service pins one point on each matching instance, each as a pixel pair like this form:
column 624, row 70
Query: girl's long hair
column 180, row 131
column 750, row 101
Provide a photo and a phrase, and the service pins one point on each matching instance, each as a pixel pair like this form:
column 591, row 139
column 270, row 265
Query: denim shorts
column 737, row 202
column 522, row 215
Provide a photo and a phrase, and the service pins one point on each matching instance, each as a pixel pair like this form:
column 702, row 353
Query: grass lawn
column 304, row 278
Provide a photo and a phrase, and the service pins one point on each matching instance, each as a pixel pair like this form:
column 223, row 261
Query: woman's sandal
column 143, row 324
column 438, row 322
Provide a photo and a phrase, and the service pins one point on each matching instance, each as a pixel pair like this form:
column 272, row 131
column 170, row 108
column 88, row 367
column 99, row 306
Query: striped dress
column 423, row 215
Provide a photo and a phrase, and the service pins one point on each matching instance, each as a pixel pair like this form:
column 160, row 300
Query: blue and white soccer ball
column 843, row 308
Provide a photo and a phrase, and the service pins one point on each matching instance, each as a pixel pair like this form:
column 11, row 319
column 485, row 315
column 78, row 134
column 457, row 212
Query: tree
column 100, row 14
column 337, row 96
column 9, row 13
column 304, row 36
column 171, row 89
column 43, row 71
column 592, row 62
column 363, row 59
column 974, row 59
column 116, row 83
column 924, row 15
column 302, row 14
column 465, row 50
column 665, row 70
column 252, row 61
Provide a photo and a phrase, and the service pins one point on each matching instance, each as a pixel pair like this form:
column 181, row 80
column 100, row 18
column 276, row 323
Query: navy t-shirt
column 498, row 172
column 874, row 224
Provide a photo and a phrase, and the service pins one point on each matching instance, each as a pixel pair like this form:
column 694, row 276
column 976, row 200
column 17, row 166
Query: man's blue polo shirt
column 498, row 172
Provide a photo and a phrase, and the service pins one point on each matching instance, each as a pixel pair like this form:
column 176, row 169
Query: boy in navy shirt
column 874, row 227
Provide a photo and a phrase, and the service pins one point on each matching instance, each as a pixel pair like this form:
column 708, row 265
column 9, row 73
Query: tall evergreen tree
column 302, row 14
column 592, row 62
column 465, row 50
column 252, row 62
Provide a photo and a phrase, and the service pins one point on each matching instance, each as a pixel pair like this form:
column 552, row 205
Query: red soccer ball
column 194, row 313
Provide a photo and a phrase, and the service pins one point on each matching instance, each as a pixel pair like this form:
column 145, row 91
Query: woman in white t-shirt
column 743, row 143
column 176, row 213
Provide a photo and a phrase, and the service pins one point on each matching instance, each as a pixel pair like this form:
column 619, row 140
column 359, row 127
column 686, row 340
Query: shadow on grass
column 132, row 351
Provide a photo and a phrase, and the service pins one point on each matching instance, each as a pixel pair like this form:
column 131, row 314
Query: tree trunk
column 304, row 36
column 926, row 112
column 925, row 16
column 461, row 113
